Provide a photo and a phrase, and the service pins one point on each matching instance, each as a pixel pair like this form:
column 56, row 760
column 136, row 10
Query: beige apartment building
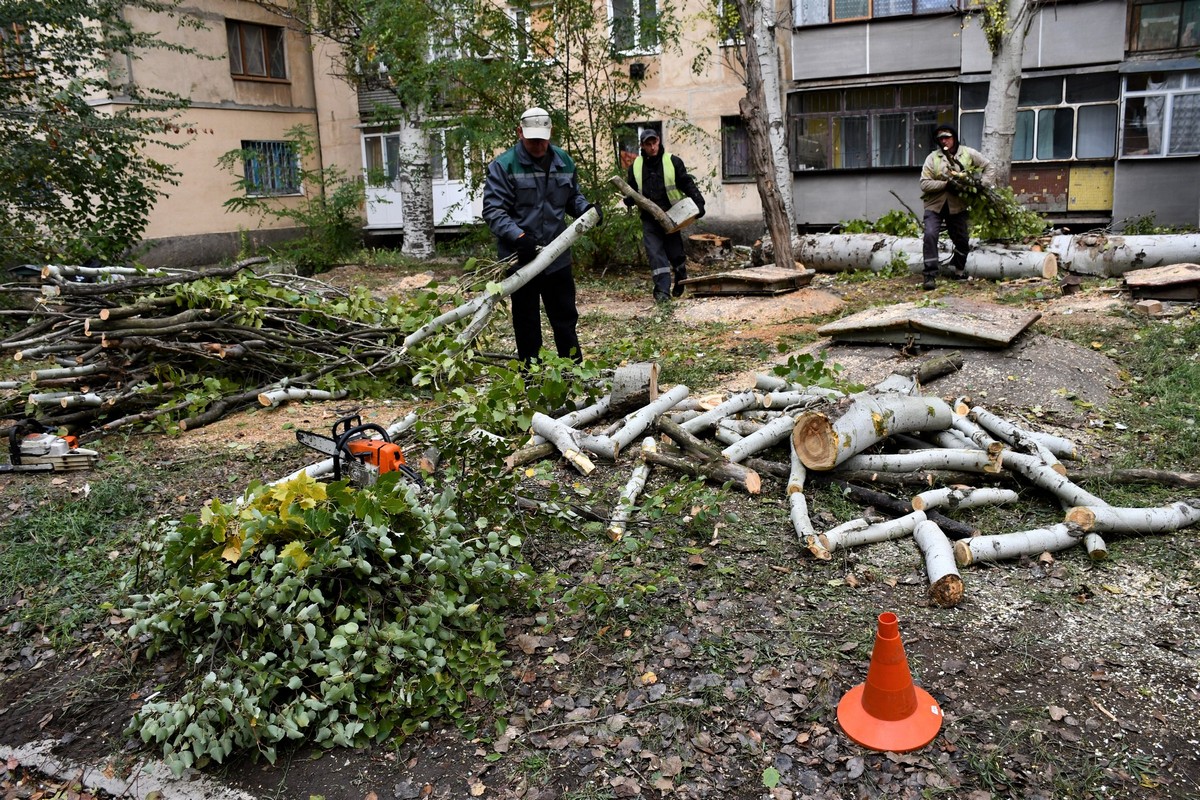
column 263, row 76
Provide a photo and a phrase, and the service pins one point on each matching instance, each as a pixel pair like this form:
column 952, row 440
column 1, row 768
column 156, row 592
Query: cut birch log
column 877, row 252
column 961, row 460
column 85, row 400
column 565, row 439
column 740, row 476
column 635, row 424
column 1059, row 446
column 1003, row 546
column 884, row 531
column 277, row 397
column 738, row 402
column 726, row 436
column 770, row 434
column 487, row 301
column 1179, row 480
column 1115, row 519
column 575, row 419
column 629, row 495
column 816, row 544
column 976, row 435
column 797, row 473
column 937, row 367
column 823, row 443
column 1010, row 433
column 1112, row 256
column 885, row 503
column 955, row 497
column 1037, row 472
column 945, row 584
column 742, row 427
column 790, row 398
column 801, row 522
column 683, row 213
column 634, row 385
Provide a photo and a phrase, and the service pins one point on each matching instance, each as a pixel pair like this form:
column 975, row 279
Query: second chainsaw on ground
column 34, row 447
column 358, row 452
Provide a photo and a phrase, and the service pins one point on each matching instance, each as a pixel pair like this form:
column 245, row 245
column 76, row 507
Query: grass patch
column 61, row 560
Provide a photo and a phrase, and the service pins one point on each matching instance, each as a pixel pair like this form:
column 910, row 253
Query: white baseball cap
column 535, row 123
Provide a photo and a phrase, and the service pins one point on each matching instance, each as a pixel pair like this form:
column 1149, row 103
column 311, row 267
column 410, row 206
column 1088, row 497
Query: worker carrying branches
column 950, row 172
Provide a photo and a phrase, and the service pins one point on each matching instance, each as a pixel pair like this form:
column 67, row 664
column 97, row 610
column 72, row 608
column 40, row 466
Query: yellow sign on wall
column 1091, row 189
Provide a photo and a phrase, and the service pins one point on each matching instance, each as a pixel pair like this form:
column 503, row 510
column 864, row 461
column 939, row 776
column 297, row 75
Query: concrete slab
column 752, row 280
column 1172, row 282
column 954, row 322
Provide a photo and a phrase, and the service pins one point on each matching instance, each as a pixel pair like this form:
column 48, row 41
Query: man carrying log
column 663, row 179
column 529, row 189
column 946, row 172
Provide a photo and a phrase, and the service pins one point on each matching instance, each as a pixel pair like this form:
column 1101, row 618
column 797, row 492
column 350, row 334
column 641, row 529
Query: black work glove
column 599, row 213
column 526, row 249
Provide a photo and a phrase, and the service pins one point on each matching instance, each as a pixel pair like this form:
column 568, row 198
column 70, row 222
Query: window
column 256, row 51
column 873, row 126
column 626, row 138
column 382, row 158
column 271, row 168
column 1164, row 26
column 821, row 12
column 729, row 24
column 447, row 156
column 634, row 25
column 735, row 149
column 1162, row 114
column 16, row 57
column 1062, row 118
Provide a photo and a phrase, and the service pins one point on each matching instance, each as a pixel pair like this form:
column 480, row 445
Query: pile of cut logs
column 890, row 434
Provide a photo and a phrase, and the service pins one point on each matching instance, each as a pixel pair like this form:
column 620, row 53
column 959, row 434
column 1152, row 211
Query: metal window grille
column 271, row 168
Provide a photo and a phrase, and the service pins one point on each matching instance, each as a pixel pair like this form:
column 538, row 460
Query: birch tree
column 1005, row 24
column 762, row 112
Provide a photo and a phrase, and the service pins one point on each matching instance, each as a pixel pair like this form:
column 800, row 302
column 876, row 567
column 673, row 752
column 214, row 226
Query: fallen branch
column 629, row 495
column 945, row 584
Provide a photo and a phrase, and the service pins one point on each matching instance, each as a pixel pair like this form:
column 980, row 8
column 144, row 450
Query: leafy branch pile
column 324, row 613
column 996, row 214
column 184, row 347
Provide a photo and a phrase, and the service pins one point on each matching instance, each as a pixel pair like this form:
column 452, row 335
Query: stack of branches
column 187, row 347
column 955, row 457
column 119, row 346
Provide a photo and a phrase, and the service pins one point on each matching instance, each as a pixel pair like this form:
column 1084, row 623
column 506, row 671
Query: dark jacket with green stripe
column 518, row 196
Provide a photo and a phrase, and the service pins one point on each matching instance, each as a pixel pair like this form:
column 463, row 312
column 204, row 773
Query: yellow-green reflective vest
column 673, row 193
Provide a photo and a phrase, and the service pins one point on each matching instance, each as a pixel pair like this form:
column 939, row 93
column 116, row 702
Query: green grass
column 63, row 555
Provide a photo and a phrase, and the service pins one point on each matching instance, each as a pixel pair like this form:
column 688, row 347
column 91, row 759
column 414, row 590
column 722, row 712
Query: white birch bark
column 1003, row 546
column 579, row 417
column 816, row 544
column 1033, row 469
column 823, row 444
column 976, row 435
column 415, row 179
column 945, row 584
column 735, row 404
column 884, row 531
column 277, row 396
column 1015, row 436
column 1006, row 38
column 950, row 497
column 629, row 495
column 1139, row 521
column 770, row 434
column 960, row 460
column 637, row 422
column 566, row 439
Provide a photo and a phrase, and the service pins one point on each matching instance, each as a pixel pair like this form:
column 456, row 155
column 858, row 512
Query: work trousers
column 665, row 253
column 556, row 292
column 956, row 226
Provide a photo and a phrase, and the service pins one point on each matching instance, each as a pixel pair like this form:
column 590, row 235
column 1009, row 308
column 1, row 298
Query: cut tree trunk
column 961, row 460
column 823, row 443
column 770, row 434
column 1111, row 256
column 955, row 497
column 1003, row 546
column 875, row 251
column 945, row 584
column 735, row 404
column 1111, row 519
column 565, row 438
column 890, row 529
column 742, row 477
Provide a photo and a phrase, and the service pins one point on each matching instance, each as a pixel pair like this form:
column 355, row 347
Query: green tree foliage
column 471, row 67
column 78, row 181
column 330, row 213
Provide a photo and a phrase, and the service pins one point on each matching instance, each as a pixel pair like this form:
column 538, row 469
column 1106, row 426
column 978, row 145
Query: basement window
column 735, row 150
column 271, row 168
column 256, row 51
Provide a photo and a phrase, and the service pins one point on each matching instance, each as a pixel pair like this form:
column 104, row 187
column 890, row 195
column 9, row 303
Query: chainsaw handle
column 342, row 440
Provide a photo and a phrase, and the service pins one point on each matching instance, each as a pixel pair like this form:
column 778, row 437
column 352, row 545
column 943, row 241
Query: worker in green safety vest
column 663, row 179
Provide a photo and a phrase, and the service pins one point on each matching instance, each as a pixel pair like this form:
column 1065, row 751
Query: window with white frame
column 1061, row 118
column 822, row 12
column 634, row 25
column 447, row 155
column 735, row 150
column 869, row 126
column 271, row 168
column 382, row 157
column 256, row 51
column 1162, row 114
column 1164, row 26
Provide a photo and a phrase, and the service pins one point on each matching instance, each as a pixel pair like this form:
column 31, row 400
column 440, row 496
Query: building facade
column 1107, row 129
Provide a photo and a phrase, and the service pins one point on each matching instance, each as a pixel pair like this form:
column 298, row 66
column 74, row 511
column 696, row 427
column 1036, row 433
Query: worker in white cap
column 529, row 189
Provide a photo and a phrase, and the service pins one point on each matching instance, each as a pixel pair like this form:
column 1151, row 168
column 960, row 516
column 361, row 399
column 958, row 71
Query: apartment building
column 1108, row 126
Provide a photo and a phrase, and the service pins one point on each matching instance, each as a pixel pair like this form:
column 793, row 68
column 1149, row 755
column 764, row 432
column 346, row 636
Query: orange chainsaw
column 34, row 447
column 355, row 450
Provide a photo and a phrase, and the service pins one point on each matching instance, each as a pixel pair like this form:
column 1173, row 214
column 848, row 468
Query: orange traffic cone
column 888, row 712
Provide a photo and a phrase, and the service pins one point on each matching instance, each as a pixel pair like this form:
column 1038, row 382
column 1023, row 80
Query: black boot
column 930, row 282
